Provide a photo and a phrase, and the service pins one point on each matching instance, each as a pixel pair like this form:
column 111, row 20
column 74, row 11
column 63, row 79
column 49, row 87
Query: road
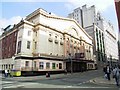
column 76, row 80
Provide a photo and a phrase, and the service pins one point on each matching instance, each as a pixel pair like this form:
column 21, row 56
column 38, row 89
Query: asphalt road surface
column 76, row 80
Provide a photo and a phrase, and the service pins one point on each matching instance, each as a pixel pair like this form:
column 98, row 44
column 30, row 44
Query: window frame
column 19, row 47
column 29, row 33
column 28, row 44
column 35, row 45
column 47, row 65
column 53, row 65
column 27, row 63
column 41, row 65
column 35, row 64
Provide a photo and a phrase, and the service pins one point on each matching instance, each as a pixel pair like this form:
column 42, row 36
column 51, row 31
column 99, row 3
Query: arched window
column 73, row 32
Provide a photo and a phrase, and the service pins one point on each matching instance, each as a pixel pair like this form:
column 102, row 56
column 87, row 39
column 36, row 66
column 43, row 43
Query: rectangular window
column 19, row 47
column 47, row 65
column 35, row 45
column 26, row 63
column 29, row 33
column 60, row 65
column 36, row 33
column 9, row 66
column 41, row 65
column 28, row 44
column 6, row 66
column 2, row 67
column 35, row 64
column 57, row 65
column 12, row 66
column 53, row 66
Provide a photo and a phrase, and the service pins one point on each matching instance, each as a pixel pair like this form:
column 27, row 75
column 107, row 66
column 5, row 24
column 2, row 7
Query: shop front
column 78, row 65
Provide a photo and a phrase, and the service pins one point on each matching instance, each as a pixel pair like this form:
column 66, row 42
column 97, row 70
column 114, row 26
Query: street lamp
column 13, row 65
column 111, row 60
column 71, row 63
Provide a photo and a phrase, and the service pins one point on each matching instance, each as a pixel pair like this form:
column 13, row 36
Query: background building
column 117, row 4
column 89, row 19
column 38, row 44
column 98, row 42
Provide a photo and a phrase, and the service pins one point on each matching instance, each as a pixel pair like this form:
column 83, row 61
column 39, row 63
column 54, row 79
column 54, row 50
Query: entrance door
column 77, row 66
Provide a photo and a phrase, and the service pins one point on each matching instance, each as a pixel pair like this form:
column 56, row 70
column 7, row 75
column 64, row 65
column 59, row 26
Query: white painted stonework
column 48, row 38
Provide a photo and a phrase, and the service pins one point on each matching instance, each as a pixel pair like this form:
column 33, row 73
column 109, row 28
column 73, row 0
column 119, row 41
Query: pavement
column 29, row 78
column 104, row 81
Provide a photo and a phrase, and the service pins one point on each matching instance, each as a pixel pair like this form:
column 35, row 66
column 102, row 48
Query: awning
column 80, row 60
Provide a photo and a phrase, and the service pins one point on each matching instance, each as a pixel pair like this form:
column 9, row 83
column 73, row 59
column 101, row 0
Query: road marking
column 83, row 83
column 68, row 86
column 7, row 82
column 13, row 86
column 79, row 83
column 94, row 87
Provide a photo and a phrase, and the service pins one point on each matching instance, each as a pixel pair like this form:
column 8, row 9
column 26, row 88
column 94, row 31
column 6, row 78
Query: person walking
column 6, row 73
column 105, row 72
column 108, row 72
column 116, row 74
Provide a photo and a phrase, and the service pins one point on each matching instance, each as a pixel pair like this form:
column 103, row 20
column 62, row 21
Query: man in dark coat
column 107, row 71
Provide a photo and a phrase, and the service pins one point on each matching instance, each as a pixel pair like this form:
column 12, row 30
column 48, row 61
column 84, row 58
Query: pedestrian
column 6, row 73
column 116, row 74
column 9, row 73
column 107, row 71
column 104, row 69
column 48, row 74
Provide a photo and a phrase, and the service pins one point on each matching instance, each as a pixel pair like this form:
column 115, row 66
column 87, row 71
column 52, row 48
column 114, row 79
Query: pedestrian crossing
column 11, row 84
column 15, row 84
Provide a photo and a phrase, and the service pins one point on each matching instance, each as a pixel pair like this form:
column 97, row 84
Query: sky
column 12, row 11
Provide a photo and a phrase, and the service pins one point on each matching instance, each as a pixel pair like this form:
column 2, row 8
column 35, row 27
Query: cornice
column 44, row 13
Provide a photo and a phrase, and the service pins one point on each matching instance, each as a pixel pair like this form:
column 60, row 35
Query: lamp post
column 111, row 60
column 71, row 63
column 13, row 57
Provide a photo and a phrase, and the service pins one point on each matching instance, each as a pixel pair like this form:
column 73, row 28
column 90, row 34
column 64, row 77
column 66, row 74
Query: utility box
column 15, row 73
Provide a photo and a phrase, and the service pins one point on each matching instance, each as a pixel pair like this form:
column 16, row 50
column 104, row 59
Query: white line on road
column 94, row 87
column 83, row 83
column 68, row 86
column 6, row 82
column 13, row 86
